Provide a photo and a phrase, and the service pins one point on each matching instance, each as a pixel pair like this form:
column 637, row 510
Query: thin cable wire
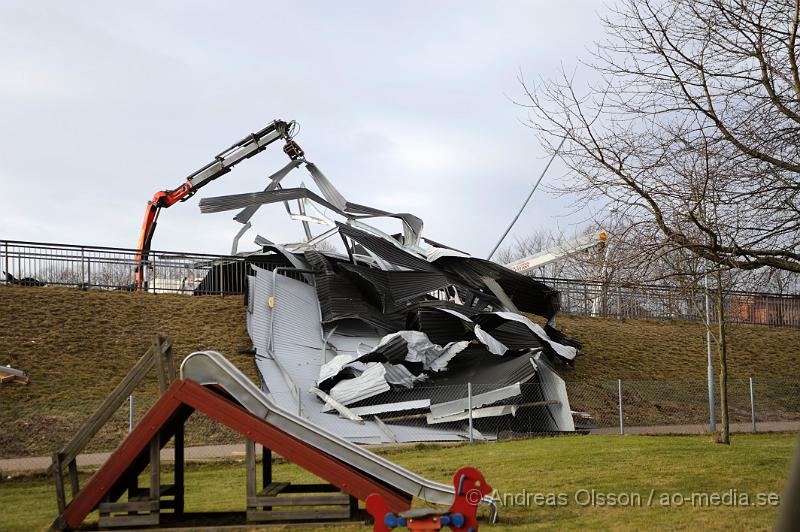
column 526, row 200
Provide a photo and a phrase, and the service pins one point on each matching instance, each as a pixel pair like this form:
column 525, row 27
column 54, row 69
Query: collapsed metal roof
column 379, row 342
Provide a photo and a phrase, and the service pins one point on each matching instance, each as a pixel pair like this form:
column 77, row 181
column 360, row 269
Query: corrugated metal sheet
column 477, row 413
column 249, row 199
column 366, row 329
column 327, row 188
column 513, row 335
column 478, row 366
column 561, row 338
column 400, row 406
column 432, row 433
column 332, row 367
column 492, row 344
column 564, row 351
column 412, row 223
column 351, row 345
column 394, row 288
column 554, row 388
column 388, row 251
column 371, row 382
column 398, row 375
column 439, row 326
column 297, row 351
column 274, row 180
column 395, row 350
column 449, row 408
column 339, row 298
column 527, row 294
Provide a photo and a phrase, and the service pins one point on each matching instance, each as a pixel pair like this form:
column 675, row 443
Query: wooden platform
column 283, row 501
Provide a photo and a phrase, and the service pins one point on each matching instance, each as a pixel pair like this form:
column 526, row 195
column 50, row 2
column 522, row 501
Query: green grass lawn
column 753, row 464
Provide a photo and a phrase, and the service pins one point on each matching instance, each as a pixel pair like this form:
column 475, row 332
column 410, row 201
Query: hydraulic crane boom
column 558, row 252
column 222, row 164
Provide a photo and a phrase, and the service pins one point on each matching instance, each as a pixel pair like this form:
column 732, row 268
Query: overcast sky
column 404, row 106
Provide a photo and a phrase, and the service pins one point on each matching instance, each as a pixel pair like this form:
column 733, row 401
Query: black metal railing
column 109, row 268
column 673, row 303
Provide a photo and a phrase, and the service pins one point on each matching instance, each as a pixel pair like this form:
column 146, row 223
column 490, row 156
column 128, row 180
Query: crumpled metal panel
column 394, row 350
column 249, row 199
column 245, row 214
column 394, row 288
column 490, row 320
column 477, row 366
column 388, row 251
column 492, row 344
column 371, row 382
column 328, row 190
column 249, row 202
column 296, row 352
column 339, row 298
column 367, row 328
column 397, row 406
column 561, row 338
column 398, row 375
column 297, row 343
column 528, row 294
column 351, row 345
column 553, row 387
column 440, row 327
column 412, row 225
column 449, row 408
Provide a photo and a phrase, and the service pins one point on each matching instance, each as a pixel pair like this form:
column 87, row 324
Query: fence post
column 131, row 413
column 6, row 268
column 712, row 407
column 221, row 282
column 469, row 408
column 619, row 394
column 586, row 299
column 61, row 496
column 752, row 404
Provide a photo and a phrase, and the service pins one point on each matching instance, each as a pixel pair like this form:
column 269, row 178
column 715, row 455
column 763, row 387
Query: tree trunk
column 722, row 350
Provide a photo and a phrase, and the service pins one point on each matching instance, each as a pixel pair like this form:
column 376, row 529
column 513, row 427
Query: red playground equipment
column 470, row 489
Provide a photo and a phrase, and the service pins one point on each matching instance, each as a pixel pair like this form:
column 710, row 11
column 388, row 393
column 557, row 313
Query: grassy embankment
column 77, row 345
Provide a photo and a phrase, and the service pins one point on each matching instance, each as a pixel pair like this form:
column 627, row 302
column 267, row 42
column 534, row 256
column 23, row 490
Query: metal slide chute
column 210, row 367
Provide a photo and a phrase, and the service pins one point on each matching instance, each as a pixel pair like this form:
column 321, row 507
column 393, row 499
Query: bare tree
column 693, row 128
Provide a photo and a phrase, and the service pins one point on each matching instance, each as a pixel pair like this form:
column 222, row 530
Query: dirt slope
column 665, row 350
column 78, row 345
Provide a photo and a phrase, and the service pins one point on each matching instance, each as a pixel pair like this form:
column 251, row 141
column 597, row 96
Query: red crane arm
column 222, row 164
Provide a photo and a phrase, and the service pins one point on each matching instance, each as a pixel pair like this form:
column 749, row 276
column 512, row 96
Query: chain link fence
column 643, row 407
column 682, row 406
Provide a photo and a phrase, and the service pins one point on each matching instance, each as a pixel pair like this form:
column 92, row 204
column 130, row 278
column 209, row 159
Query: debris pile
column 378, row 342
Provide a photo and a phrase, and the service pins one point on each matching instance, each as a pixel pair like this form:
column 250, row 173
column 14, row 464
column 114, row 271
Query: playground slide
column 210, row 367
